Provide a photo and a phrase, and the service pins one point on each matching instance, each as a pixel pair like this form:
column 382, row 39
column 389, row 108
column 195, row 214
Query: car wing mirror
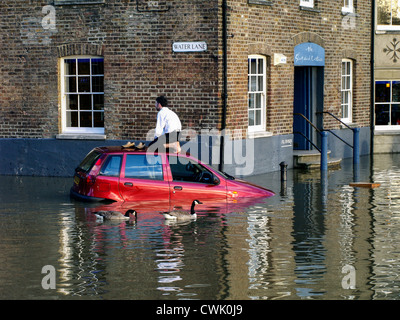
column 215, row 180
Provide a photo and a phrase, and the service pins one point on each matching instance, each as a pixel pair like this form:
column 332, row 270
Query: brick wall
column 138, row 58
column 140, row 64
column 277, row 28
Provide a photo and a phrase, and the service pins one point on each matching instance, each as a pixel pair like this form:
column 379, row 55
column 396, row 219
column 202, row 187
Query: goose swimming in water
column 115, row 215
column 181, row 214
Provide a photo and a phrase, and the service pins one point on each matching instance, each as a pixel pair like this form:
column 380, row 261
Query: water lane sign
column 309, row 54
column 198, row 46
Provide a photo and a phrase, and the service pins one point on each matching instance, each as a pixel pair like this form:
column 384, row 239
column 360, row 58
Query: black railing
column 356, row 131
column 324, row 142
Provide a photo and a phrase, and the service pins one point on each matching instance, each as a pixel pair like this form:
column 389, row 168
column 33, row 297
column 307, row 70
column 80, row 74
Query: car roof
column 119, row 149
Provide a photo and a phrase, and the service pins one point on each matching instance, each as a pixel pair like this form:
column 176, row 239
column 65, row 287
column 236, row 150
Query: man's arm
column 160, row 125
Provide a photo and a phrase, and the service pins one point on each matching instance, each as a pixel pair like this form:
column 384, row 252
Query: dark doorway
column 308, row 100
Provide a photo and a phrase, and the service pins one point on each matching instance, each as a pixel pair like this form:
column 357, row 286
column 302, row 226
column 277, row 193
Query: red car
column 136, row 176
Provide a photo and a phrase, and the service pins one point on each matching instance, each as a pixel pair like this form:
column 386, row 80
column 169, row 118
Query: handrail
column 340, row 138
column 324, row 143
column 345, row 124
column 300, row 133
column 300, row 114
column 356, row 138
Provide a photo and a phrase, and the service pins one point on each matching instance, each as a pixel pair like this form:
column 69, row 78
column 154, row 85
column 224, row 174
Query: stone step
column 311, row 159
column 333, row 163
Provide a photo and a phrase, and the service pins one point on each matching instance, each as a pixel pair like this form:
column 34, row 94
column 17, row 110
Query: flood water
column 318, row 238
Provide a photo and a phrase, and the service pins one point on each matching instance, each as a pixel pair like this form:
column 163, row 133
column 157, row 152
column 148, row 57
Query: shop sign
column 309, row 54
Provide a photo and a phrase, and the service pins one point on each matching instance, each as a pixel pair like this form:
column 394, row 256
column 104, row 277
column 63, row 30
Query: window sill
column 80, row 136
column 348, row 123
column 309, row 9
column 349, row 13
column 77, row 2
column 382, row 29
column 258, row 134
column 386, row 131
column 260, row 2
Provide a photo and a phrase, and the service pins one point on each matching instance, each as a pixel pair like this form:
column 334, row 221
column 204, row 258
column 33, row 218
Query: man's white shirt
column 167, row 121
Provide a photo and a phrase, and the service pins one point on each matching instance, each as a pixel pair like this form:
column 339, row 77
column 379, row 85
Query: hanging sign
column 309, row 54
column 198, row 46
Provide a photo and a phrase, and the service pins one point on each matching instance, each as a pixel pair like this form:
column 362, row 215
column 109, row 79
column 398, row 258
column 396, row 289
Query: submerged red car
column 119, row 174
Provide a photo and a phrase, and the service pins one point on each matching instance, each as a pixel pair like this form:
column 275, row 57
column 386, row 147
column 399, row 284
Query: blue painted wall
column 57, row 157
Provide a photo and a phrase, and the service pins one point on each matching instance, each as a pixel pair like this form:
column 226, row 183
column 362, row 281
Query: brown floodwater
column 318, row 238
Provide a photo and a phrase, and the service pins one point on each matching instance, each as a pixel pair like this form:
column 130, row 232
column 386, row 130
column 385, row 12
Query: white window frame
column 348, row 6
column 263, row 93
column 307, row 3
column 385, row 27
column 75, row 130
column 389, row 127
column 347, row 90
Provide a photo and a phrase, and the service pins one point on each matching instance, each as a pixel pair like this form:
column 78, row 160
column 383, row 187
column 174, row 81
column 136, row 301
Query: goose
column 115, row 215
column 182, row 214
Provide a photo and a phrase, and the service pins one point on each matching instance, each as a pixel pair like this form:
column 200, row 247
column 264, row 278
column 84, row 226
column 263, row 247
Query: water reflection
column 296, row 245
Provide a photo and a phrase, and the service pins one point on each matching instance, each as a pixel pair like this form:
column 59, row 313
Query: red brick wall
column 138, row 57
column 277, row 28
column 140, row 64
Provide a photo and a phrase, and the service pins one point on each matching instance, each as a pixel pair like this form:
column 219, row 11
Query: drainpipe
column 372, row 115
column 225, row 84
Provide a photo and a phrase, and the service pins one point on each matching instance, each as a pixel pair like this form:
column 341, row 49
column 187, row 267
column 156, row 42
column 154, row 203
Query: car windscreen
column 89, row 161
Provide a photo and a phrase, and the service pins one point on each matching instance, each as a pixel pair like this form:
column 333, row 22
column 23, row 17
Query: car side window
column 111, row 166
column 141, row 166
column 185, row 169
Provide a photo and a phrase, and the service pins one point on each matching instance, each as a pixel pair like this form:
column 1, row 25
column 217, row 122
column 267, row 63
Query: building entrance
column 308, row 100
column 309, row 61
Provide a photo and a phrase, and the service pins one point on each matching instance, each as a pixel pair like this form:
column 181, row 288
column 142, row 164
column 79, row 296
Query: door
column 144, row 181
column 308, row 100
column 191, row 181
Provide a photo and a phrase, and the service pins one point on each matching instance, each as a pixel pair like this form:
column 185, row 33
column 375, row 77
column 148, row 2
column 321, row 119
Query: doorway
column 308, row 101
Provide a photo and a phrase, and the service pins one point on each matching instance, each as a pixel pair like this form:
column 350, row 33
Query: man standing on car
column 168, row 125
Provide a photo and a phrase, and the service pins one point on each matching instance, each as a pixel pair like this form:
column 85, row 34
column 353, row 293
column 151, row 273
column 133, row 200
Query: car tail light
column 90, row 179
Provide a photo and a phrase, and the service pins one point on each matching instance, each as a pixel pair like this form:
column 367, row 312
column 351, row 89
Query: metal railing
column 324, row 139
column 356, row 136
column 324, row 142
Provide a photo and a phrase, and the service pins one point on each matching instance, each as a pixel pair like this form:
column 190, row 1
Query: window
column 257, row 92
column 184, row 169
column 89, row 161
column 387, row 104
column 348, row 6
column 82, row 92
column 307, row 3
column 388, row 14
column 141, row 166
column 347, row 90
column 111, row 166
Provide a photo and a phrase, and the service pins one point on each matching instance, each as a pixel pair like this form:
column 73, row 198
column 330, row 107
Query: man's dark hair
column 162, row 100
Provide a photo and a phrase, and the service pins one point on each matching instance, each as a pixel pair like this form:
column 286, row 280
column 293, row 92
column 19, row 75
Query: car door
column 144, row 179
column 106, row 184
column 190, row 180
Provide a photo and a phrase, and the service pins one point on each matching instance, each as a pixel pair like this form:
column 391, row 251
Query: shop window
column 387, row 104
column 82, row 93
column 257, row 66
column 347, row 90
column 388, row 15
